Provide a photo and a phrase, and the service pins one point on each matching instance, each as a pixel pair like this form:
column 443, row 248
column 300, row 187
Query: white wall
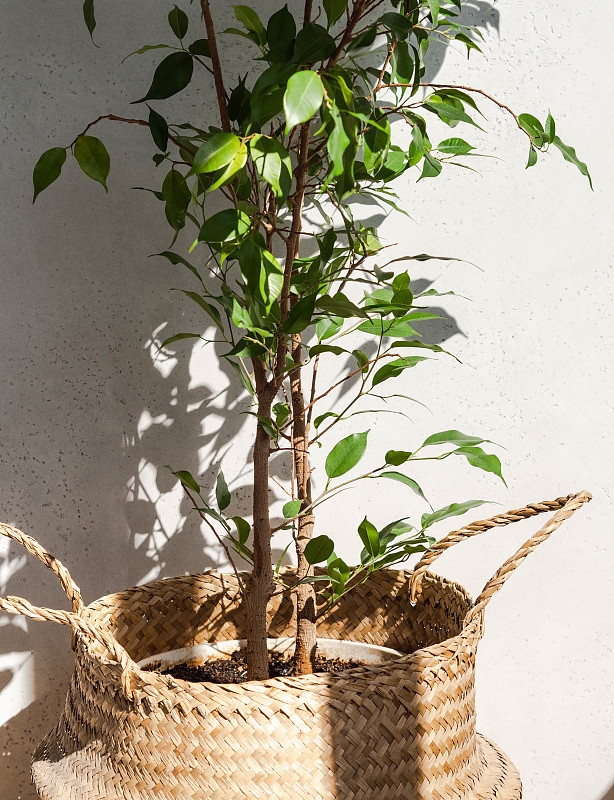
column 86, row 414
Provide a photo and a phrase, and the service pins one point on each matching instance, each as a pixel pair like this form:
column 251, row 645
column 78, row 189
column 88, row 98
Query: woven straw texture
column 403, row 730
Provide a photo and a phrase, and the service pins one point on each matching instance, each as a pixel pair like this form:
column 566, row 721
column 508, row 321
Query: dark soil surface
column 234, row 669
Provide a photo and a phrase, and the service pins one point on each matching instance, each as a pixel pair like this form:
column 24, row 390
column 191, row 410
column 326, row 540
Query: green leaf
column 387, row 328
column 280, row 33
column 339, row 306
column 267, row 425
column 395, row 368
column 447, row 112
column 334, row 10
column 158, row 128
column 532, row 160
column 222, row 493
column 145, row 49
column 338, row 572
column 211, row 310
column 282, row 413
column 322, row 417
column 200, row 47
column 48, row 169
column 533, row 127
column 484, row 461
column 327, row 328
column 186, row 478
column 171, row 76
column 453, row 437
column 431, row 167
column 362, row 360
column 225, row 226
column 550, row 129
column 273, row 164
column 177, row 197
column 88, row 16
column 224, row 176
column 262, row 272
column 434, row 9
column 93, row 158
column 248, row 348
column 337, row 143
column 252, row 22
column 178, row 337
column 402, row 63
column 398, row 476
column 569, row 154
column 397, row 457
column 453, row 510
column 370, row 538
column 455, row 146
column 216, row 152
column 301, row 315
column 178, row 20
column 243, row 529
column 243, row 377
column 291, row 509
column 302, row 98
column 364, row 39
column 399, row 25
column 177, row 259
column 376, row 143
column 313, row 43
column 318, row 549
column 470, row 44
column 397, row 528
column 346, row 454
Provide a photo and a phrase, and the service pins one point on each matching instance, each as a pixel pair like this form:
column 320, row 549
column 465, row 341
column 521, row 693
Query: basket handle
column 564, row 507
column 74, row 618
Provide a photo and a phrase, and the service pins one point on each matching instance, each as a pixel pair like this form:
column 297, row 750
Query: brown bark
column 305, row 594
column 217, row 66
column 261, row 584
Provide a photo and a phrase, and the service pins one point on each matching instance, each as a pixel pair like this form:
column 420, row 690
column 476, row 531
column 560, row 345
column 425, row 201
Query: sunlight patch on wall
column 18, row 693
column 167, row 521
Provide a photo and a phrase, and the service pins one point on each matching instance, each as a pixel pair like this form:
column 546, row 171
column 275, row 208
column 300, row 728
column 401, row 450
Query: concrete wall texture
column 88, row 412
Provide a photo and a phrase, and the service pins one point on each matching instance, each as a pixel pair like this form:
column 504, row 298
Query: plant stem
column 261, row 584
column 217, row 66
column 305, row 596
column 305, row 593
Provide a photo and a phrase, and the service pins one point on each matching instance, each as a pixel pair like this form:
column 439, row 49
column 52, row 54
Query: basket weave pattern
column 402, row 730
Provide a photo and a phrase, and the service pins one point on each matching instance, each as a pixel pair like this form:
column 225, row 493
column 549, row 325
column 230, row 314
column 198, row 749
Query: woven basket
column 403, row 730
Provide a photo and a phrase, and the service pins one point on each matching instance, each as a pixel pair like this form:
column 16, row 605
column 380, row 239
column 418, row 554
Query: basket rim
column 426, row 658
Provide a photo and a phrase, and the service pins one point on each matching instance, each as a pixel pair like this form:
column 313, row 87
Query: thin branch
column 217, row 66
column 346, row 38
column 283, row 488
column 307, row 14
column 142, row 122
column 345, row 378
column 314, row 377
column 380, row 80
column 220, row 540
column 464, row 89
column 360, row 394
column 484, row 94
column 205, row 65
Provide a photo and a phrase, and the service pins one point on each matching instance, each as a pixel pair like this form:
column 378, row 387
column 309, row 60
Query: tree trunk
column 261, row 584
column 306, row 599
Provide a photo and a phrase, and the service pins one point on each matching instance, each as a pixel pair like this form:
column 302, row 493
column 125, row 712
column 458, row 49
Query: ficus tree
column 307, row 128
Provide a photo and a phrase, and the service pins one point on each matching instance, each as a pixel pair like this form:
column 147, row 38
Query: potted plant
column 306, row 131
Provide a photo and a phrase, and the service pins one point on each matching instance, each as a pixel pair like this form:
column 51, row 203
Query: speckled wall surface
column 88, row 413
